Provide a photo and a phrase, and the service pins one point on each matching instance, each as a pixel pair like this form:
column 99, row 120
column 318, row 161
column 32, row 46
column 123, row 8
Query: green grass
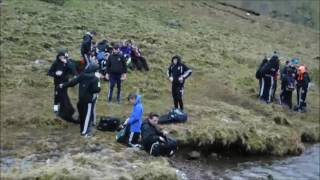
column 222, row 49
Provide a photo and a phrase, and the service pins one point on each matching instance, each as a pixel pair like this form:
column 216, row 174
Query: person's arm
column 124, row 64
column 72, row 83
column 186, row 72
column 52, row 70
column 72, row 67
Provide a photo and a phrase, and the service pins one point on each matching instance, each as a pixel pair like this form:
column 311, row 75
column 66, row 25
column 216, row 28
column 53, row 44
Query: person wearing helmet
column 177, row 74
column 303, row 81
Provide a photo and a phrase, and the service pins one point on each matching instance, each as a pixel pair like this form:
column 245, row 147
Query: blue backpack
column 101, row 56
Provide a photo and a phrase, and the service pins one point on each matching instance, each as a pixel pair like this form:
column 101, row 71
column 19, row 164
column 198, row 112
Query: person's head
column 93, row 33
column 62, row 57
column 153, row 118
column 132, row 98
column 176, row 59
column 301, row 69
column 116, row 48
column 128, row 43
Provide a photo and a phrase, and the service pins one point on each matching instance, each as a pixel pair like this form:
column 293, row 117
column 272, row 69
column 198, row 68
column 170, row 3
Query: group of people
column 110, row 62
column 293, row 76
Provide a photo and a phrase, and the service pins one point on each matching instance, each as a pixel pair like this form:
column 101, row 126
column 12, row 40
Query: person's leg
column 303, row 104
column 118, row 81
column 270, row 89
column 66, row 109
column 112, row 82
column 86, row 124
column 180, row 94
column 81, row 109
column 289, row 98
column 87, row 60
column 298, row 97
column 133, row 138
column 265, row 88
column 174, row 90
column 56, row 100
column 274, row 89
column 262, row 87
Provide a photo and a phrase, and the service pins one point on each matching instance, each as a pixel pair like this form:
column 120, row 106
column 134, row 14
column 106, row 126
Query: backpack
column 290, row 83
column 108, row 124
column 174, row 116
column 101, row 56
column 121, row 134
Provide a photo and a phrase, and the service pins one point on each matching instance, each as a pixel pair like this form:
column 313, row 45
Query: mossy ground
column 222, row 45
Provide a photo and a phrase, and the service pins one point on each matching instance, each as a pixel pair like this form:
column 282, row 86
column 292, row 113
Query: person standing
column 60, row 70
column 260, row 77
column 287, row 84
column 89, row 87
column 116, row 72
column 303, row 81
column 269, row 71
column 135, row 119
column 86, row 47
column 177, row 74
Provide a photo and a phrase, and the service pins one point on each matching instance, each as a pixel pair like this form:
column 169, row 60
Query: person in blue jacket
column 134, row 122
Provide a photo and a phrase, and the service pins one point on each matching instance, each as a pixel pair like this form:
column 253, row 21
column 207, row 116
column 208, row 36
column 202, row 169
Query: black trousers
column 268, row 88
column 163, row 148
column 86, row 116
column 286, row 97
column 177, row 93
column 301, row 97
column 133, row 138
column 113, row 80
column 261, row 87
column 62, row 99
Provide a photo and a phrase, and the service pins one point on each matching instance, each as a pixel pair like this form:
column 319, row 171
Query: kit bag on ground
column 174, row 116
column 108, row 124
column 121, row 135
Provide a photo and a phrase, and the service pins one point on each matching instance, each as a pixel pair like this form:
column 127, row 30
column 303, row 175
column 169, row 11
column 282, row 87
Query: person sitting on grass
column 154, row 140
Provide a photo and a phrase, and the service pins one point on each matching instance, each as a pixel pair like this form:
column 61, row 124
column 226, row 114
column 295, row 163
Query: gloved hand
column 170, row 79
column 124, row 77
column 181, row 79
column 61, row 85
column 97, row 74
column 107, row 76
column 59, row 73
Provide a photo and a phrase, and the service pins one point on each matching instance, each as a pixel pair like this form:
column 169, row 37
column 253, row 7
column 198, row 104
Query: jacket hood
column 93, row 67
column 138, row 99
column 176, row 57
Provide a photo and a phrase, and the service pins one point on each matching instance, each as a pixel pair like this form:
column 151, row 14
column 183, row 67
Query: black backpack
column 174, row 116
column 290, row 83
column 108, row 124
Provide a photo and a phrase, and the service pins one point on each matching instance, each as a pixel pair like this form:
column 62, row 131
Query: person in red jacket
column 303, row 81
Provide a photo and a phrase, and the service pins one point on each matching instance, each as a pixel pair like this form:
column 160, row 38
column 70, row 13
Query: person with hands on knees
column 60, row 70
column 177, row 74
column 155, row 141
column 134, row 122
column 89, row 87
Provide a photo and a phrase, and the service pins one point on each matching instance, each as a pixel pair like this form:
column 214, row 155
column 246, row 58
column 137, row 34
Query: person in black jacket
column 177, row 74
column 116, row 71
column 86, row 47
column 60, row 70
column 260, row 77
column 287, row 84
column 269, row 72
column 154, row 140
column 89, row 87
column 303, row 81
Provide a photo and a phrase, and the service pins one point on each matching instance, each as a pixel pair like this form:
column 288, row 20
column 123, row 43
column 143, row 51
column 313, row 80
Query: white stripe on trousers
column 95, row 97
column 262, row 87
column 299, row 100
column 131, row 137
column 271, row 88
column 86, row 123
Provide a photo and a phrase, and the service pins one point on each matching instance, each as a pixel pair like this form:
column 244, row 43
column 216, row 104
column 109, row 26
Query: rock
column 174, row 23
column 194, row 155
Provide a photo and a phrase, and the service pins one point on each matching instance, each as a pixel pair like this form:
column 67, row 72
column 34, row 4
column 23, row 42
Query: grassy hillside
column 222, row 45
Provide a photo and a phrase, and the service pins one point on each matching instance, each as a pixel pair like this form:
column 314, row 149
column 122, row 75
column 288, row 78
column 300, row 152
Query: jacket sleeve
column 169, row 72
column 108, row 65
column 124, row 64
column 52, row 70
column 135, row 115
column 72, row 68
column 186, row 72
column 73, row 82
